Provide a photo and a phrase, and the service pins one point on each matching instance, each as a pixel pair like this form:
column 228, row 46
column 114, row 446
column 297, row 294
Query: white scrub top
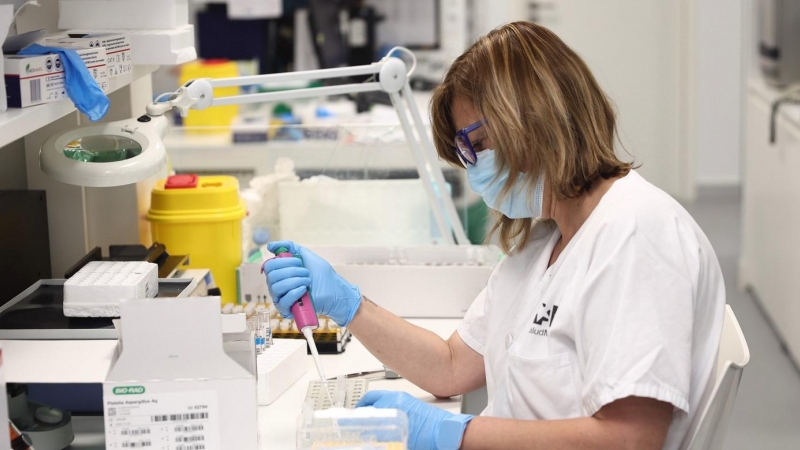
column 633, row 306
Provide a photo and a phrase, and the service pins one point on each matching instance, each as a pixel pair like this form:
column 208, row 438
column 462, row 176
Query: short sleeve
column 634, row 324
column 472, row 329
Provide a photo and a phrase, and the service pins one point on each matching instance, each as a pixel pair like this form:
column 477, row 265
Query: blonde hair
column 545, row 114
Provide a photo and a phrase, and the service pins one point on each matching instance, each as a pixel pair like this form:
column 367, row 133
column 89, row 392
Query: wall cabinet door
column 640, row 53
column 770, row 261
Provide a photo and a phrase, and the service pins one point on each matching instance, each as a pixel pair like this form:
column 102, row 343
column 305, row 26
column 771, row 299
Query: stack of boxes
column 36, row 79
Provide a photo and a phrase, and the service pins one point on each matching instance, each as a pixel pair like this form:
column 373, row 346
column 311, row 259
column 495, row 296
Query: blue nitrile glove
column 81, row 87
column 289, row 278
column 424, row 420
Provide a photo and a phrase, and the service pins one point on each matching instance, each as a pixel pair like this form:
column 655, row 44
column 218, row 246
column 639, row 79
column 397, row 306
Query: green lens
column 101, row 149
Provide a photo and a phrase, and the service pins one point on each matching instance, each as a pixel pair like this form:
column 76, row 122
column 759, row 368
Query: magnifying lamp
column 132, row 150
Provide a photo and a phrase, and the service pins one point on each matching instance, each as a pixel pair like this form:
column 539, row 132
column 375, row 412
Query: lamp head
column 109, row 154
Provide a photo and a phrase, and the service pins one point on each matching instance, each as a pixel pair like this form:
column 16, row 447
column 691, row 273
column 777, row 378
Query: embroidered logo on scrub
column 541, row 323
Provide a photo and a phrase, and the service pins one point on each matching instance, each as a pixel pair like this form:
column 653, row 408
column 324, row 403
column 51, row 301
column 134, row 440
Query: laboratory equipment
column 46, row 427
column 201, row 216
column 24, row 241
column 345, row 393
column 211, row 117
column 97, row 289
column 330, row 340
column 37, row 313
column 779, row 41
column 264, row 336
column 353, row 429
column 379, row 374
column 412, row 281
column 305, row 316
column 149, row 129
column 303, row 310
column 168, row 265
column 278, row 368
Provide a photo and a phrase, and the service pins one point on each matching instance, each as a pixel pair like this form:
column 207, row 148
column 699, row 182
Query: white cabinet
column 770, row 260
column 642, row 54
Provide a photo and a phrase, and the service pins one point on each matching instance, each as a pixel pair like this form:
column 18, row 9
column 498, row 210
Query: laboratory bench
column 26, row 362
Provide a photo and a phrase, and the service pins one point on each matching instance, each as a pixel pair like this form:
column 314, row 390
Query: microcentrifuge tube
column 264, row 329
column 252, row 326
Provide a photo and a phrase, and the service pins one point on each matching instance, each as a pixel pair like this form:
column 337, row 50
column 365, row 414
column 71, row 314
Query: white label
column 358, row 32
column 168, row 421
column 255, row 9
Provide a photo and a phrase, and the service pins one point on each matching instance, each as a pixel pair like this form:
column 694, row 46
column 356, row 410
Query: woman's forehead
column 464, row 112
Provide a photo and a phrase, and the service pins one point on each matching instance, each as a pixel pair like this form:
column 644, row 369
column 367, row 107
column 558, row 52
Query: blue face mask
column 484, row 180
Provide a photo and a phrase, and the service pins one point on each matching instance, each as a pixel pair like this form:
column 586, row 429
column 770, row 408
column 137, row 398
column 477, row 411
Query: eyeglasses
column 465, row 150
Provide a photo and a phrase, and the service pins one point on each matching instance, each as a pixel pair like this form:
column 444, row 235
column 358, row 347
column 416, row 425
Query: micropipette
column 305, row 316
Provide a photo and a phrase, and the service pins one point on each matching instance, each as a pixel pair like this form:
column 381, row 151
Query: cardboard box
column 171, row 380
column 36, row 79
column 239, row 342
column 119, row 57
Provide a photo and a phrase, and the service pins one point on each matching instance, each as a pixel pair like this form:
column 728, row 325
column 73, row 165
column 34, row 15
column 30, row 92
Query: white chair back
column 710, row 425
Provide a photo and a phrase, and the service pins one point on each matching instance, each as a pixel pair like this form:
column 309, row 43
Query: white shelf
column 189, row 151
column 16, row 123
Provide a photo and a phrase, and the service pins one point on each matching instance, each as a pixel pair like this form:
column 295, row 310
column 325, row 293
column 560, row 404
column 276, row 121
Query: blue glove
column 289, row 278
column 82, row 89
column 424, row 421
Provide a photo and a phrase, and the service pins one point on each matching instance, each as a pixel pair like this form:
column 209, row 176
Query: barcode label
column 188, row 428
column 138, row 432
column 137, row 419
column 141, row 444
column 36, row 90
column 179, row 417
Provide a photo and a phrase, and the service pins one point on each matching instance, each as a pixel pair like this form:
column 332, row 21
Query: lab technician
column 600, row 328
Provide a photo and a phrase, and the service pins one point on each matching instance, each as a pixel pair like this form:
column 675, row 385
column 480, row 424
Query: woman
column 601, row 327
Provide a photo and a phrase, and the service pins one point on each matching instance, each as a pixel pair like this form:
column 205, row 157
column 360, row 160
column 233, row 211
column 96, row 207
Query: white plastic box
column 99, row 287
column 410, row 281
column 348, row 429
column 123, row 14
column 356, row 212
column 279, row 367
column 172, row 381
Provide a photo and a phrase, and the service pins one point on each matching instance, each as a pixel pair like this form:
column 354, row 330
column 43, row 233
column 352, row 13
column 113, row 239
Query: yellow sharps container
column 201, row 217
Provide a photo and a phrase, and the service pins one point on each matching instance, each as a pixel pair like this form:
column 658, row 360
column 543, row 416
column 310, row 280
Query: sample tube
column 252, row 326
column 265, row 330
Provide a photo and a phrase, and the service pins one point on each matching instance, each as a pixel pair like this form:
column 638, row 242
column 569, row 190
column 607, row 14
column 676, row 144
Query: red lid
column 181, row 182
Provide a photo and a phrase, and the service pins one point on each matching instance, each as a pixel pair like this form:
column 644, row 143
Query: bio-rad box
column 172, row 382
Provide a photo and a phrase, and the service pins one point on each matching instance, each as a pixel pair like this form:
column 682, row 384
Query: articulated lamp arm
column 391, row 77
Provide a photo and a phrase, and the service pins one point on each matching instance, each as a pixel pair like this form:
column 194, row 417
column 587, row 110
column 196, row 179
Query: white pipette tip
column 309, row 334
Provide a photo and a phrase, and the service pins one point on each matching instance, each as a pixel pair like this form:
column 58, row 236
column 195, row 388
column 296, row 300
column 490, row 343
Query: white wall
column 719, row 88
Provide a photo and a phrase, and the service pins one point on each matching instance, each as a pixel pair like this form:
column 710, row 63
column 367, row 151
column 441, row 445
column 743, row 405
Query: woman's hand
column 289, row 278
column 424, row 420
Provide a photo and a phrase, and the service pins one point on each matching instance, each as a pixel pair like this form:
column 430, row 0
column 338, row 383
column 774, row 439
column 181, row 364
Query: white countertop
column 29, row 361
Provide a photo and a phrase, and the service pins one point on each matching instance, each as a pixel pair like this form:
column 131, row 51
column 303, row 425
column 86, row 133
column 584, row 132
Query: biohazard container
column 201, row 217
